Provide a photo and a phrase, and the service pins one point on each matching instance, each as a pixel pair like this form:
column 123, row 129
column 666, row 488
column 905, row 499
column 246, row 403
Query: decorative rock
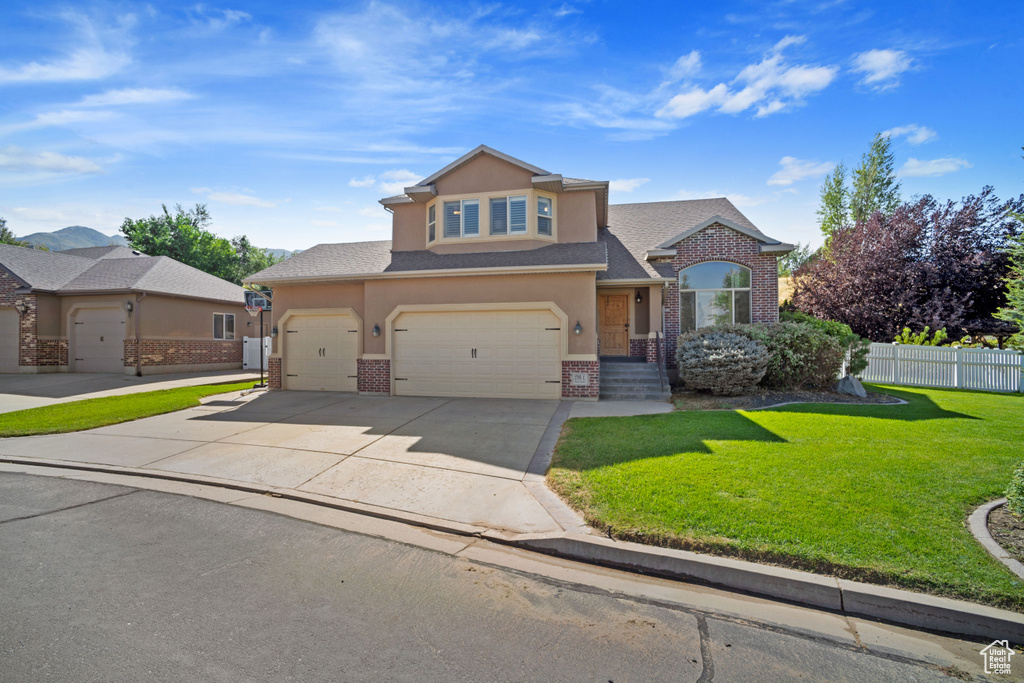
column 850, row 386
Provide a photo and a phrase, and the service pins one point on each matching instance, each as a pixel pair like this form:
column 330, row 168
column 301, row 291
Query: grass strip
column 876, row 493
column 75, row 416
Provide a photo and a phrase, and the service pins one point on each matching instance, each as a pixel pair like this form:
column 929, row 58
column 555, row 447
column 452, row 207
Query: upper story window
column 508, row 215
column 543, row 216
column 713, row 293
column 462, row 218
column 492, row 215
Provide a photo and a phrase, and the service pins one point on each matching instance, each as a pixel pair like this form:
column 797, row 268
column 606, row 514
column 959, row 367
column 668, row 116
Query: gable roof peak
column 474, row 153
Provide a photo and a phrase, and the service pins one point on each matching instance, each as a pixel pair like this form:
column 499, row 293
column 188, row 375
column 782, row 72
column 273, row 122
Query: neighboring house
column 504, row 280
column 112, row 309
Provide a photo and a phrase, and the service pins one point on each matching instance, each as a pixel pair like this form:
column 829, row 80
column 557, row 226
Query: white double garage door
column 481, row 353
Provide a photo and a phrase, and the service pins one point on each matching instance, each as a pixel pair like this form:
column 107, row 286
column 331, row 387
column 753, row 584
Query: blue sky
column 290, row 120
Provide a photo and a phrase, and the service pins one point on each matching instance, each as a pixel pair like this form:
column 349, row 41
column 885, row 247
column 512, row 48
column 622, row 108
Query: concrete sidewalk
column 20, row 392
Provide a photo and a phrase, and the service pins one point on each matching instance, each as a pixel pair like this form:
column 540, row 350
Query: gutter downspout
column 138, row 335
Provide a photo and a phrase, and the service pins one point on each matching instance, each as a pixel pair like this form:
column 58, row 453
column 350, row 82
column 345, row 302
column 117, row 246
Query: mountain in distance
column 73, row 237
column 282, row 253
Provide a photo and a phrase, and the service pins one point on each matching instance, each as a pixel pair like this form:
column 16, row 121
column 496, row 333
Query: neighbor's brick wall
column 592, row 390
column 719, row 243
column 274, row 373
column 29, row 351
column 186, row 351
column 374, row 376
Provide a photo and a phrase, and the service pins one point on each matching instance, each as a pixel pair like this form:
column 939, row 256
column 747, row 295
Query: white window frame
column 462, row 218
column 483, row 205
column 224, row 326
column 733, row 290
column 509, row 232
column 432, row 224
column 551, row 218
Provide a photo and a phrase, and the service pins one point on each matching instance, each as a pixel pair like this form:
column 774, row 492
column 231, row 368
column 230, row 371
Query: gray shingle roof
column 69, row 274
column 633, row 229
column 352, row 259
column 111, row 251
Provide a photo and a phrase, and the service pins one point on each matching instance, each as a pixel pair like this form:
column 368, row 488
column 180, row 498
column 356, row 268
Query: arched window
column 713, row 293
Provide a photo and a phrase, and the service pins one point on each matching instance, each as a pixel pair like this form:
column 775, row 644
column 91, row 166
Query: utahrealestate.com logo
column 997, row 657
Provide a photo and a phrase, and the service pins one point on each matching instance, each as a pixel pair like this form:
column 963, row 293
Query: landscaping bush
column 857, row 347
column 921, row 338
column 1015, row 493
column 723, row 363
column 801, row 355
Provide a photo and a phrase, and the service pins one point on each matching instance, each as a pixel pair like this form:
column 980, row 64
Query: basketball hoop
column 254, row 310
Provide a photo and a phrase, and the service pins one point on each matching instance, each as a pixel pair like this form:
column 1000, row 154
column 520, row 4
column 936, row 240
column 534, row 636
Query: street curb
column 898, row 607
column 895, row 606
column 978, row 522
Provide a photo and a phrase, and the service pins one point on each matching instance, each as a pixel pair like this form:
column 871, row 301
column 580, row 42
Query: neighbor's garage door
column 8, row 340
column 320, row 353
column 98, row 343
column 495, row 354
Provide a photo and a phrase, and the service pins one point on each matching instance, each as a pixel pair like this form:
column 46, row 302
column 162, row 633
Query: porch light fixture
column 21, row 307
column 273, row 331
column 376, row 330
column 639, row 297
column 128, row 306
column 578, row 329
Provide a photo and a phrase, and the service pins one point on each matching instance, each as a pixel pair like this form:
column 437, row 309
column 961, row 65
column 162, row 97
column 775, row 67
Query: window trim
column 224, row 327
column 749, row 289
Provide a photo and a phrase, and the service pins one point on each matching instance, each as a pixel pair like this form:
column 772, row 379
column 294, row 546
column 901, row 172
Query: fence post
column 958, row 367
column 895, row 362
column 1020, row 376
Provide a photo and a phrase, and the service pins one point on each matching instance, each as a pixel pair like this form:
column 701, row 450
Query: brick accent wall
column 274, row 373
column 637, row 347
column 591, row 390
column 374, row 376
column 651, row 350
column 719, row 243
column 187, row 351
column 30, row 352
column 52, row 352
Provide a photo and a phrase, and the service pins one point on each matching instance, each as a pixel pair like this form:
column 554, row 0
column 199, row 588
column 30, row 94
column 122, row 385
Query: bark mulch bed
column 685, row 400
column 1008, row 531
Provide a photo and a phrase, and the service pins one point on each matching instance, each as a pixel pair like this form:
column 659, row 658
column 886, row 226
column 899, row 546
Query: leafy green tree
column 7, row 237
column 794, row 260
column 834, row 212
column 184, row 237
column 1013, row 311
column 875, row 187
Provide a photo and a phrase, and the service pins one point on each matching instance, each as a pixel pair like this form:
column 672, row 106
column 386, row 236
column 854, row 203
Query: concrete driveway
column 19, row 392
column 463, row 460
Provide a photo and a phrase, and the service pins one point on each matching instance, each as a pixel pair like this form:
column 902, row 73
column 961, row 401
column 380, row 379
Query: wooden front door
column 614, row 316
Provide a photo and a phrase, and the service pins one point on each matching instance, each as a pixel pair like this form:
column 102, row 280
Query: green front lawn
column 872, row 493
column 75, row 416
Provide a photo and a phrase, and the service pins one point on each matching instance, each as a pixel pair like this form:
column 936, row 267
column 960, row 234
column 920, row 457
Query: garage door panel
column 10, row 333
column 517, row 355
column 98, row 343
column 320, row 353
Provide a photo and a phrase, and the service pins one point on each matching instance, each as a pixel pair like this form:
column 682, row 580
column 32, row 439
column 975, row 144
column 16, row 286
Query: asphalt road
column 108, row 583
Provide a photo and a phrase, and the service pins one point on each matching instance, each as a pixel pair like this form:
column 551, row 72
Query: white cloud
column 566, row 10
column 215, row 20
column 915, row 134
column 772, row 85
column 326, row 224
column 371, row 211
column 20, row 159
column 793, row 169
column 915, row 168
column 627, row 185
column 135, row 96
column 366, row 181
column 395, row 182
column 882, row 68
column 234, row 198
column 100, row 54
column 685, row 66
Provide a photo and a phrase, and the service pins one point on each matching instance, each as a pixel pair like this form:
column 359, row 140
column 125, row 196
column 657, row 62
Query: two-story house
column 504, row 280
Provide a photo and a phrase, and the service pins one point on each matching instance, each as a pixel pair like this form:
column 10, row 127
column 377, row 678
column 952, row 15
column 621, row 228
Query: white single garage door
column 320, row 352
column 98, row 343
column 9, row 333
column 494, row 354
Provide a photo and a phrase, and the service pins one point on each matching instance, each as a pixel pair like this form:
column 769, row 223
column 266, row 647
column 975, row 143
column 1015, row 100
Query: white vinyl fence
column 251, row 352
column 945, row 367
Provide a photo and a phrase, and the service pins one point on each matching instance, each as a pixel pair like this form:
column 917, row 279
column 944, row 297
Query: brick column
column 374, row 376
column 274, row 373
column 591, row 369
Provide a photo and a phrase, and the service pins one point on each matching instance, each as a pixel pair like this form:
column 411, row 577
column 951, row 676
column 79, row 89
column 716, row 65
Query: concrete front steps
column 627, row 380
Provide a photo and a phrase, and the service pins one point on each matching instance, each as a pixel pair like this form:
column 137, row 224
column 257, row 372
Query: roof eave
column 469, row 156
column 400, row 199
column 445, row 272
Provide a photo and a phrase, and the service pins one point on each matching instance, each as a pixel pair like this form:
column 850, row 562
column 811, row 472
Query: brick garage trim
column 274, row 373
column 374, row 376
column 591, row 390
column 719, row 243
column 164, row 352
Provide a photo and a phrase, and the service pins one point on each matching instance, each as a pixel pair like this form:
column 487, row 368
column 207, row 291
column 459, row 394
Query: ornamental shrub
column 1015, row 492
column 723, row 363
column 857, row 347
column 921, row 338
column 801, row 355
